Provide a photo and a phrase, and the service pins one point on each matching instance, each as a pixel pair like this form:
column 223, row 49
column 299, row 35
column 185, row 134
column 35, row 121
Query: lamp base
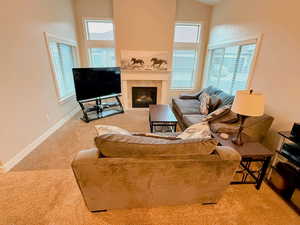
column 238, row 139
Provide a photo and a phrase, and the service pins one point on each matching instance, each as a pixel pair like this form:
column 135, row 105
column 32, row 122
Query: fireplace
column 142, row 97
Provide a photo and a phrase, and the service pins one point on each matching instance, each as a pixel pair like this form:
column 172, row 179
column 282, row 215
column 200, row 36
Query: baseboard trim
column 1, row 169
column 29, row 148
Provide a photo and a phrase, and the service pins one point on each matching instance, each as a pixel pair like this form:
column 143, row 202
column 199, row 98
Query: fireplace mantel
column 159, row 79
column 145, row 75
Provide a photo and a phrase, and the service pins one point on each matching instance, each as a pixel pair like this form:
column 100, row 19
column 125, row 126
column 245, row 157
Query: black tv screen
column 96, row 82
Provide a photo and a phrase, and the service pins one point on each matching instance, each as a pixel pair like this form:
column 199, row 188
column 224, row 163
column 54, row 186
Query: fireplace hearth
column 142, row 97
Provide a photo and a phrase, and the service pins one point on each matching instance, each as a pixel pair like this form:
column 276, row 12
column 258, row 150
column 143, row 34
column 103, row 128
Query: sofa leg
column 211, row 203
column 99, row 211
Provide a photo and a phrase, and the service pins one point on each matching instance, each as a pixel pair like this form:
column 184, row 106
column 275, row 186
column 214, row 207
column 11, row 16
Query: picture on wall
column 144, row 60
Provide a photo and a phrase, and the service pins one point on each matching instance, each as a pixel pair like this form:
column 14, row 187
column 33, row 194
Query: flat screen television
column 96, row 82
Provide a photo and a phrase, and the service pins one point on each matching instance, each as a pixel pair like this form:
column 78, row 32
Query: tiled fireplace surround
column 159, row 79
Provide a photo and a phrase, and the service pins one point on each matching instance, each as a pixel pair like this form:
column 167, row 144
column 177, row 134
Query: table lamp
column 246, row 104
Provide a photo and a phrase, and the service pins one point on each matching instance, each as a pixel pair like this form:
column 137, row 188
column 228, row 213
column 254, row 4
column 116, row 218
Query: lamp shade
column 248, row 103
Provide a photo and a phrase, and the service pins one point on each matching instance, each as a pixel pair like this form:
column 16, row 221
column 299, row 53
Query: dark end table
column 250, row 152
column 162, row 115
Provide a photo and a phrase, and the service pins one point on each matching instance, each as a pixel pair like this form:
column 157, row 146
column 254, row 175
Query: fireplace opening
column 142, row 97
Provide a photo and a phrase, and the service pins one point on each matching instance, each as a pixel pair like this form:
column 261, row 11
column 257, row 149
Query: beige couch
column 110, row 182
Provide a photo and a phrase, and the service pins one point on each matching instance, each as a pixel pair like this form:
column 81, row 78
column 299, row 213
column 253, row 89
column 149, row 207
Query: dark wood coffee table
column 250, row 152
column 162, row 115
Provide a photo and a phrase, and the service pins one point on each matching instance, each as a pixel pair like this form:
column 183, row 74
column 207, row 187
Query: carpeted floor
column 41, row 190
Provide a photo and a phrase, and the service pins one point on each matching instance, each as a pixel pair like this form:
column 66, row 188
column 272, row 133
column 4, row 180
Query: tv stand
column 94, row 108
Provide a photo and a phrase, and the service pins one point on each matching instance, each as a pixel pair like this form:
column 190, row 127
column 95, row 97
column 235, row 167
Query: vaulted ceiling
column 210, row 2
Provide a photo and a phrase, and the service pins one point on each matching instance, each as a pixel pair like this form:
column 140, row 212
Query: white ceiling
column 210, row 2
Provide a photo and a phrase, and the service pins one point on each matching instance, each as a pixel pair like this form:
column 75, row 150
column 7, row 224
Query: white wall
column 27, row 89
column 277, row 73
column 145, row 25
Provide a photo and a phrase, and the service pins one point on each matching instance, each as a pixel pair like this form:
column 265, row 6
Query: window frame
column 188, row 46
column 239, row 42
column 50, row 38
column 89, row 44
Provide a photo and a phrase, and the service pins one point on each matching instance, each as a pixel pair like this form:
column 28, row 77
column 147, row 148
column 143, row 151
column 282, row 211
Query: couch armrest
column 228, row 153
column 188, row 96
column 86, row 157
column 257, row 127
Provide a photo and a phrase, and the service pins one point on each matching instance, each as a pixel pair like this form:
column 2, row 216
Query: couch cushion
column 125, row 146
column 226, row 98
column 186, row 106
column 189, row 120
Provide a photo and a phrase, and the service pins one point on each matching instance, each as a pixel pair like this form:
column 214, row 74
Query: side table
column 250, row 152
column 290, row 187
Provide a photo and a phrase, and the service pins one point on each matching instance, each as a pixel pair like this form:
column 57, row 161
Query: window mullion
column 74, row 53
column 210, row 64
column 221, row 68
column 236, row 68
column 195, row 67
column 198, row 34
column 62, row 68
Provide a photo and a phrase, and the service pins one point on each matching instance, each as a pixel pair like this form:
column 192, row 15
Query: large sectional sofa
column 186, row 108
column 132, row 170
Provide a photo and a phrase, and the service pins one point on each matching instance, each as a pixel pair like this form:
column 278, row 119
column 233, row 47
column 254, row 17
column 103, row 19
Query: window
column 185, row 55
column 229, row 67
column 100, row 30
column 102, row 57
column 100, row 42
column 63, row 57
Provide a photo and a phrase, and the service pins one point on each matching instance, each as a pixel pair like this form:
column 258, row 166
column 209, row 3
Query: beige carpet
column 42, row 190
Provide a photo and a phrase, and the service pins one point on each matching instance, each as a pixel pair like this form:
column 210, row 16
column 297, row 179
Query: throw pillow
column 198, row 130
column 204, row 99
column 215, row 102
column 125, row 146
column 217, row 114
column 106, row 129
